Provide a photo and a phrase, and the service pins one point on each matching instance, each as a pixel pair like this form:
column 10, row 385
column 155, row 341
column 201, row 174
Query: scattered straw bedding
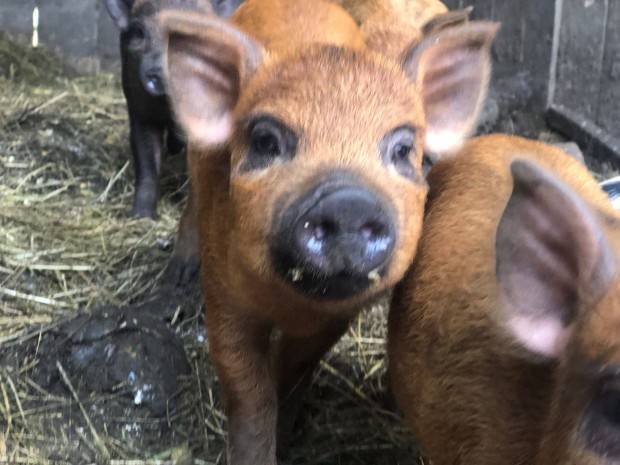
column 67, row 246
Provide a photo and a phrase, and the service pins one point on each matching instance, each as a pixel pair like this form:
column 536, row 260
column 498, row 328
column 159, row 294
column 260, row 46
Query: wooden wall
column 78, row 30
column 569, row 51
column 587, row 72
column 522, row 54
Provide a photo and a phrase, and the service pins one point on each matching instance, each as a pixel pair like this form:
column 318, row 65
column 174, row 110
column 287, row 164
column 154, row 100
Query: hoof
column 138, row 212
column 181, row 273
column 172, row 304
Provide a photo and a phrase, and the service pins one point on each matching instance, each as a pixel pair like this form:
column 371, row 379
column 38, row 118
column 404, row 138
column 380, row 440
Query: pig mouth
column 336, row 286
column 339, row 280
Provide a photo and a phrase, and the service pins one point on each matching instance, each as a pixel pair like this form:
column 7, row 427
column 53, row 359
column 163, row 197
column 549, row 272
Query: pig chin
column 315, row 285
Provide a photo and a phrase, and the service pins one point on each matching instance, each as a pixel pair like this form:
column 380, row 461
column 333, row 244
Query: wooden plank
column 521, row 55
column 525, row 40
column 580, row 55
column 608, row 114
column 594, row 141
column 454, row 4
column 483, row 9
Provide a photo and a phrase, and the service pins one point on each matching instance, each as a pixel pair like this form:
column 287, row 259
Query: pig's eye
column 265, row 143
column 600, row 425
column 611, row 402
column 136, row 33
column 396, row 147
column 269, row 139
column 401, row 152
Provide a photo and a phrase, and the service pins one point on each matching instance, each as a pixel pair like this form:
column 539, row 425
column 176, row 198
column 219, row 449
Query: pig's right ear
column 552, row 260
column 207, row 61
column 120, row 11
column 451, row 69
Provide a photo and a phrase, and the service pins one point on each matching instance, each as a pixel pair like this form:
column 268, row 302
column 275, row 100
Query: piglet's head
column 141, row 42
column 326, row 146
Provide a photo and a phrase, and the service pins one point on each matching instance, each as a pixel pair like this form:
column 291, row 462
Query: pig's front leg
column 146, row 146
column 295, row 360
column 174, row 140
column 184, row 263
column 239, row 348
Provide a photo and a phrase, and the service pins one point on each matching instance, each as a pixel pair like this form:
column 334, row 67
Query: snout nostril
column 371, row 230
column 319, row 232
column 153, row 82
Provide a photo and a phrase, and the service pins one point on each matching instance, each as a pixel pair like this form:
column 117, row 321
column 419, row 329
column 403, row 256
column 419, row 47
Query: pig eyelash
column 136, row 34
column 427, row 164
column 268, row 140
column 396, row 148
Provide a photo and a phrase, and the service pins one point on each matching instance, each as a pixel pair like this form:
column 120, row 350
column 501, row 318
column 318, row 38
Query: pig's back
column 445, row 345
column 285, row 25
column 468, row 194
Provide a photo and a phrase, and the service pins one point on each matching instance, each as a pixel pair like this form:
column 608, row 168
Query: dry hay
column 67, row 246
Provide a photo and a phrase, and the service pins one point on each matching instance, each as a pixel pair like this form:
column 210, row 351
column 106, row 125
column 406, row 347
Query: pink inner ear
column 542, row 335
column 553, row 259
column 451, row 69
column 209, row 133
column 444, row 142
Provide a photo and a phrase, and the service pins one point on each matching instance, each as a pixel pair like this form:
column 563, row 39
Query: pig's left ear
column 553, row 260
column 119, row 11
column 451, row 69
column 207, row 60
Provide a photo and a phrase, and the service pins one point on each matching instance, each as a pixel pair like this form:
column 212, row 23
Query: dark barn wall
column 522, row 54
column 585, row 91
column 16, row 17
column 588, row 61
column 78, row 30
column 579, row 71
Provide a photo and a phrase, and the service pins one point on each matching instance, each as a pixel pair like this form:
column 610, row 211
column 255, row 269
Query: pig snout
column 152, row 79
column 334, row 242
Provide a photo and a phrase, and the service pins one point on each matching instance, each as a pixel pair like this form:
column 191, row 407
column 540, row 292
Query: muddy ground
column 98, row 359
